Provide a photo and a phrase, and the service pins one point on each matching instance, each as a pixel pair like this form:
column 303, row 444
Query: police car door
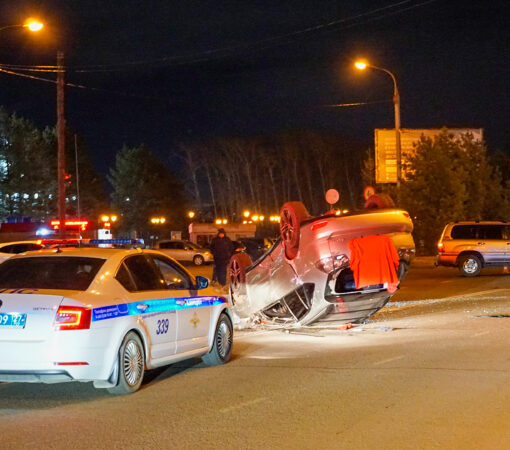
column 193, row 312
column 149, row 297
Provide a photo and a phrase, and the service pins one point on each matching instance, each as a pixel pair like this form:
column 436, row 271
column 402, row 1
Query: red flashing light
column 78, row 363
column 72, row 318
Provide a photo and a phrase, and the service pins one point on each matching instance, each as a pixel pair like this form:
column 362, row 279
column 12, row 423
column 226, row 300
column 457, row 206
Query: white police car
column 105, row 315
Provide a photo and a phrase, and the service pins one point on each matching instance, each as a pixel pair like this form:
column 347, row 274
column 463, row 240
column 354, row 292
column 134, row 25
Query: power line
column 225, row 52
column 77, row 86
column 343, row 105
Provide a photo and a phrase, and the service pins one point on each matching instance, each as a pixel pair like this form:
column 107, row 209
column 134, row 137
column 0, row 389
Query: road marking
column 384, row 361
column 469, row 296
column 482, row 333
column 243, row 405
column 266, row 357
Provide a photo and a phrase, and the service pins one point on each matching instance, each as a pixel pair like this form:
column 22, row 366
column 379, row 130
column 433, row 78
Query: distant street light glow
column 361, row 65
column 33, row 25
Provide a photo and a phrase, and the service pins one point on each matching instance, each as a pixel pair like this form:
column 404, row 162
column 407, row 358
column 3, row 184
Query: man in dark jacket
column 222, row 249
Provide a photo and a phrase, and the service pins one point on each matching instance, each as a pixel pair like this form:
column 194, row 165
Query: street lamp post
column 32, row 25
column 362, row 65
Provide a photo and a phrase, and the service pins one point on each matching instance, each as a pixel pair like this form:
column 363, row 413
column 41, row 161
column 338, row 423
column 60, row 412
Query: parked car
column 185, row 251
column 105, row 315
column 314, row 273
column 473, row 245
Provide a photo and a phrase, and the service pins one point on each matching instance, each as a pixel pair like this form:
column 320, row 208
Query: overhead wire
column 375, row 14
column 224, row 52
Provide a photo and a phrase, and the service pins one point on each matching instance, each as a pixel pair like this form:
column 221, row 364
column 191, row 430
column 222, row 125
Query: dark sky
column 168, row 70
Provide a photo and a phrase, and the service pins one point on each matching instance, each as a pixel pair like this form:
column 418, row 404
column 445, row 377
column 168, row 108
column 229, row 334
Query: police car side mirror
column 201, row 282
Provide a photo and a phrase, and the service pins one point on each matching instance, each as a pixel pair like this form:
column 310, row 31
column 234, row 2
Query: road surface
column 431, row 370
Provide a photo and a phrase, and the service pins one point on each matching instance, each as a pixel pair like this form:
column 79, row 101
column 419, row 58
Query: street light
column 31, row 24
column 362, row 65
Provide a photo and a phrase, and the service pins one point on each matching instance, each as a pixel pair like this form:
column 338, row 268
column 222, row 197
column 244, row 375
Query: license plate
column 14, row 320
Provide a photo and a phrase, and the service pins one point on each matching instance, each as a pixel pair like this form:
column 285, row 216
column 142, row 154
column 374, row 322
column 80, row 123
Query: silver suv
column 472, row 246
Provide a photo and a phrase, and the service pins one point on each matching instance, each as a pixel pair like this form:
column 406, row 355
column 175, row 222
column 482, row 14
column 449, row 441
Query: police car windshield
column 50, row 272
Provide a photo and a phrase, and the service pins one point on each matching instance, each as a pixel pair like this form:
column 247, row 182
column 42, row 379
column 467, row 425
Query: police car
column 105, row 315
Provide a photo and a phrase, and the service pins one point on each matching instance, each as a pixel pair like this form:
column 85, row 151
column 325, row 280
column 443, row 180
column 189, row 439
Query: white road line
column 266, row 357
column 471, row 296
column 482, row 333
column 243, row 405
column 384, row 361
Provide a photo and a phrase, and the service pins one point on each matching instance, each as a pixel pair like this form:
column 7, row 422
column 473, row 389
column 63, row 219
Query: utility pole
column 61, row 136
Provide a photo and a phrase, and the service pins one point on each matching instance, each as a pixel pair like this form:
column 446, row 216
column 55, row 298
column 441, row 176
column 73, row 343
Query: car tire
column 131, row 365
column 198, row 260
column 221, row 349
column 470, row 265
column 291, row 216
column 379, row 201
column 237, row 272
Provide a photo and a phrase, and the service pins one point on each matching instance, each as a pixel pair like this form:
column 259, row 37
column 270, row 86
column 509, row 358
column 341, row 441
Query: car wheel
column 222, row 343
column 291, row 216
column 379, row 201
column 131, row 365
column 470, row 265
column 198, row 260
column 237, row 272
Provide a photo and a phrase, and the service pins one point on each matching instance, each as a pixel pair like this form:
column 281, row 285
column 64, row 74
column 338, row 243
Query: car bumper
column 63, row 356
column 446, row 260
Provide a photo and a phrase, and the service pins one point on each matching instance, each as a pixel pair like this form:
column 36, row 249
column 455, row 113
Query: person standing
column 222, row 249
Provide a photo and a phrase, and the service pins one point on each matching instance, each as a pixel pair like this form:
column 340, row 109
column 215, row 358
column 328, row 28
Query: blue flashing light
column 116, row 241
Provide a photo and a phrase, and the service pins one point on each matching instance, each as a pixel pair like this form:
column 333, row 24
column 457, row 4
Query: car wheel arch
column 470, row 252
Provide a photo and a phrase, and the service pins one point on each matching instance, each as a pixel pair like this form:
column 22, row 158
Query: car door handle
column 481, row 243
column 142, row 306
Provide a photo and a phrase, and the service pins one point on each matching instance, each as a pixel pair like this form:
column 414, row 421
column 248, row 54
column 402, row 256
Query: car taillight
column 440, row 247
column 72, row 318
column 331, row 263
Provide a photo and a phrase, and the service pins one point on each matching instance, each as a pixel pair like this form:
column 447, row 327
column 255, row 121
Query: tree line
column 446, row 179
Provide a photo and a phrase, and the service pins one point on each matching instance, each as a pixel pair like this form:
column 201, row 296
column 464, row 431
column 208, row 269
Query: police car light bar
column 116, row 241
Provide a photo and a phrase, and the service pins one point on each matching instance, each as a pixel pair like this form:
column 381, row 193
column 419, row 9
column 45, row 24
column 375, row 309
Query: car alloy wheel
column 132, row 363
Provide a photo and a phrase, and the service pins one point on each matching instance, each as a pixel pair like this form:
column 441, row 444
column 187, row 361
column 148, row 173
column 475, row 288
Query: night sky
column 158, row 72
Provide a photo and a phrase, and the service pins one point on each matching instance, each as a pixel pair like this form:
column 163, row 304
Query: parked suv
column 473, row 245
column 185, row 251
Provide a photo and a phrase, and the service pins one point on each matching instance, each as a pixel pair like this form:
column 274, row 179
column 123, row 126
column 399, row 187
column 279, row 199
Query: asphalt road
column 431, row 370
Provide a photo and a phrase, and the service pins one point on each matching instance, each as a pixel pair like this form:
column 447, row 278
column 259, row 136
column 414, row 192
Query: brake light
column 72, row 318
column 440, row 247
column 79, row 363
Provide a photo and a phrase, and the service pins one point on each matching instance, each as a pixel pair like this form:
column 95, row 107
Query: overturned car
column 325, row 270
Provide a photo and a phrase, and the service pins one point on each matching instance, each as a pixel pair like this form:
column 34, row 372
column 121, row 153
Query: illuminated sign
column 386, row 149
column 71, row 223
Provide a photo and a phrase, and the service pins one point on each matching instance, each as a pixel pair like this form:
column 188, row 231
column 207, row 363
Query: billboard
column 386, row 150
